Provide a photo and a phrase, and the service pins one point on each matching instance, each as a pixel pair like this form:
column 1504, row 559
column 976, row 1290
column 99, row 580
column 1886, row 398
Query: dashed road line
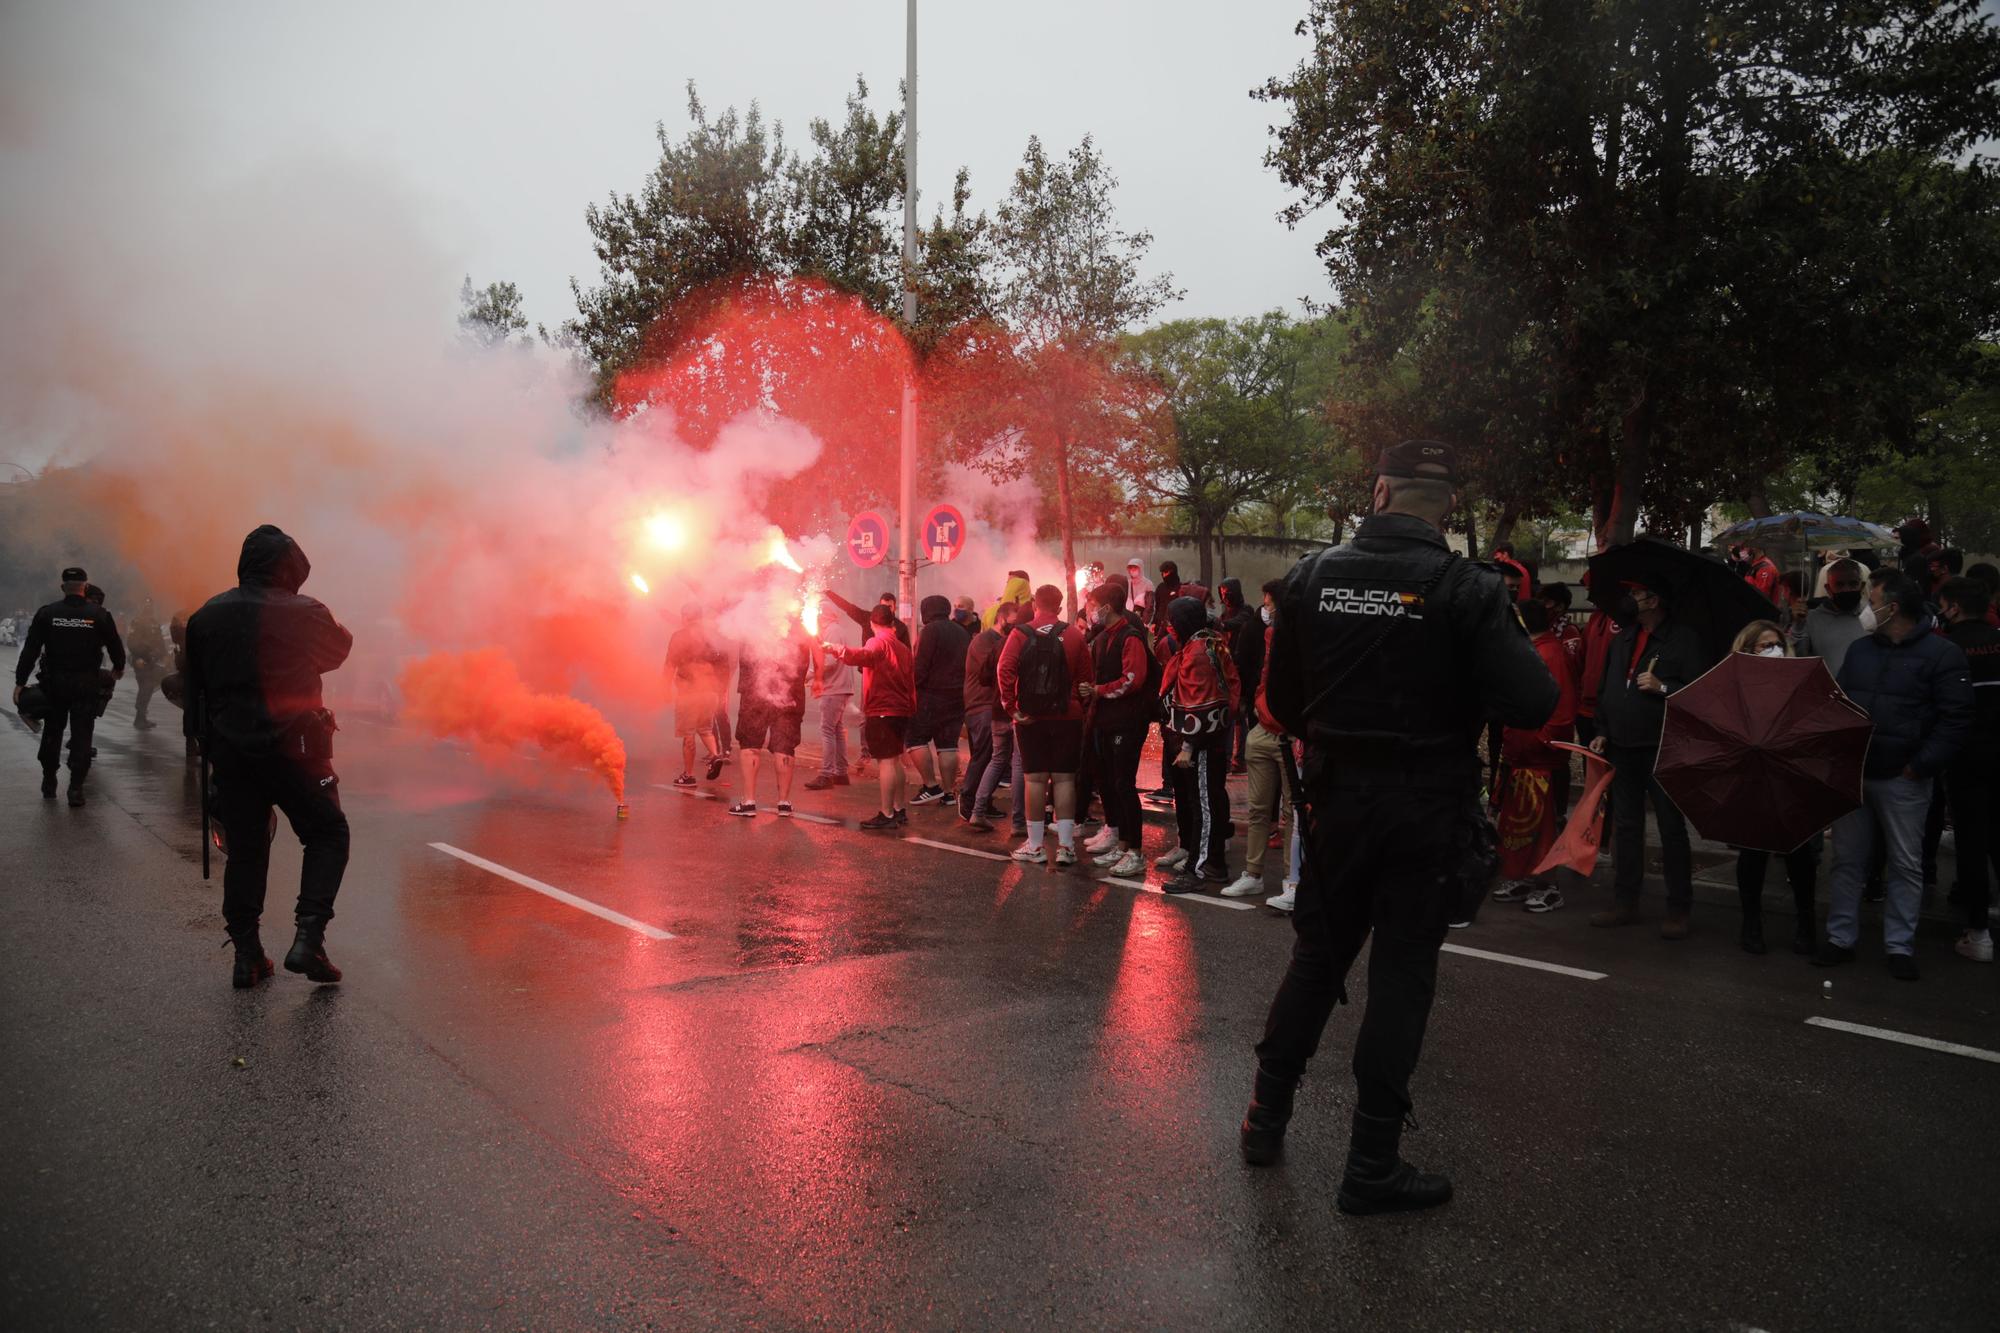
column 1518, row 961
column 1906, row 1039
column 560, row 895
column 1143, row 887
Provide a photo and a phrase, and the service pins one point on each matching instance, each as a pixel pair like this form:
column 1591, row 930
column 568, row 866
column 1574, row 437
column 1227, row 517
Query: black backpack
column 1044, row 672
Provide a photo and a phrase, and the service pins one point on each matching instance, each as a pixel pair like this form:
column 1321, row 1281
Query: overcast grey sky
column 507, row 118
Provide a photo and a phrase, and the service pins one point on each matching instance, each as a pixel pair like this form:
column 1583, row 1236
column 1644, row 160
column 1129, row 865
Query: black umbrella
column 1703, row 594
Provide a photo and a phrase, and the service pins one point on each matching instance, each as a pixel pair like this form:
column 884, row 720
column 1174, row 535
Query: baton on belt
column 1296, row 788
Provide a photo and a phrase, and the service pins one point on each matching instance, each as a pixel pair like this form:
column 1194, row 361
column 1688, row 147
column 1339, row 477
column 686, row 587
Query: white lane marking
column 711, row 796
column 1535, row 963
column 1888, row 1034
column 962, row 851
column 560, row 895
column 1144, row 887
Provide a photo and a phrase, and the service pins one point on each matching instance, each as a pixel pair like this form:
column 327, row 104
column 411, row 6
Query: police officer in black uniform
column 1389, row 655
column 255, row 656
column 69, row 638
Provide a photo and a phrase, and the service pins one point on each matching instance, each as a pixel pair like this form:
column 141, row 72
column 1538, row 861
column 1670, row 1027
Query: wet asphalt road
column 872, row 1083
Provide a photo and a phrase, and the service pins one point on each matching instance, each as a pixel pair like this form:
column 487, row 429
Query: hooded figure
column 1018, row 592
column 1138, row 590
column 254, row 660
column 1187, row 617
column 256, row 654
column 940, row 660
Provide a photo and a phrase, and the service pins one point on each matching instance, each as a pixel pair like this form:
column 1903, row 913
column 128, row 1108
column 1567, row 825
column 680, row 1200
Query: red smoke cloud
column 479, row 696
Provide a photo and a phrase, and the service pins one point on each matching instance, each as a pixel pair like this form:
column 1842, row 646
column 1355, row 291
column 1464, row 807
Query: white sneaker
column 1285, row 901
column 1129, row 864
column 1102, row 841
column 1173, row 860
column 1065, row 856
column 1514, row 890
column 1245, row 885
column 1032, row 853
column 1979, row 947
column 1110, row 856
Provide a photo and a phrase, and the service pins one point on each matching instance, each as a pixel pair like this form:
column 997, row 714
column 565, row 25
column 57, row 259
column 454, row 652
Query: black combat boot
column 1264, row 1123
column 252, row 963
column 75, row 794
column 308, row 952
column 48, row 784
column 1378, row 1179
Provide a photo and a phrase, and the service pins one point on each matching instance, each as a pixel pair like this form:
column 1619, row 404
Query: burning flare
column 780, row 553
column 480, row 696
column 666, row 532
column 639, row 582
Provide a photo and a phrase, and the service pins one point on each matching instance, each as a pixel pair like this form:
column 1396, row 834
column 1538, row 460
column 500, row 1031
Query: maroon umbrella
column 1763, row 752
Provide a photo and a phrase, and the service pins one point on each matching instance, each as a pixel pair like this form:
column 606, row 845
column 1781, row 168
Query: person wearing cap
column 1388, row 655
column 1649, row 658
column 255, row 655
column 69, row 640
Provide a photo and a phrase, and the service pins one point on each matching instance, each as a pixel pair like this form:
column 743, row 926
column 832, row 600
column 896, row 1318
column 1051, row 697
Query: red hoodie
column 1525, row 748
column 888, row 674
column 1009, row 671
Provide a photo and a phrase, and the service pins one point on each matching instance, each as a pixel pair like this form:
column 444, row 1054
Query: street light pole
column 906, row 582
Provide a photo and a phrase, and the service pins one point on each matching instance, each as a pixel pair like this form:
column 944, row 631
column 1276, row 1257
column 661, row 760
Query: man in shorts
column 940, row 715
column 770, row 714
column 697, row 686
column 888, row 697
column 1044, row 673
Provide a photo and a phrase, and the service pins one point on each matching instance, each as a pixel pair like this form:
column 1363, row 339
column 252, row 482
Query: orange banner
column 1577, row 847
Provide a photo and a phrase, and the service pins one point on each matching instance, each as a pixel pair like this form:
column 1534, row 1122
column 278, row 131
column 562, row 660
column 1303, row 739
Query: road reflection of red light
column 758, row 1100
column 1149, row 1019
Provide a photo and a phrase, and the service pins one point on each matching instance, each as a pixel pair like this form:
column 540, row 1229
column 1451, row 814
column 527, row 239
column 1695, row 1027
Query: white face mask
column 1870, row 622
column 1265, row 613
column 1775, row 650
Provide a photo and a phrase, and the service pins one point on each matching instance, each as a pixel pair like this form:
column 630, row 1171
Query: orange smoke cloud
column 479, row 696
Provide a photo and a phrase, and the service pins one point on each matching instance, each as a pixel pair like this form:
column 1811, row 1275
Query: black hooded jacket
column 255, row 654
column 1243, row 627
column 941, row 645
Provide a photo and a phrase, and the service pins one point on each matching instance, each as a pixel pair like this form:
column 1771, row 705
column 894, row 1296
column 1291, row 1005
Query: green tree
column 490, row 316
column 1638, row 253
column 1042, row 391
column 1240, row 417
column 743, row 276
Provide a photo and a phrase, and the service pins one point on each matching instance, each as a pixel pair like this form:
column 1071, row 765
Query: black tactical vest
column 1382, row 621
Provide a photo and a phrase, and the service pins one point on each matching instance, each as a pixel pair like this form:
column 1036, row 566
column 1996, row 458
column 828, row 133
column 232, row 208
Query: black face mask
column 1626, row 610
column 1847, row 600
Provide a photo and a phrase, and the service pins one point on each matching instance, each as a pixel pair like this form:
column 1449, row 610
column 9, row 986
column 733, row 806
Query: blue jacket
column 1919, row 695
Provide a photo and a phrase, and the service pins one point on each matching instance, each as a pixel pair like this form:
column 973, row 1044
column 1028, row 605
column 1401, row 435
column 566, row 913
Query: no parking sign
column 868, row 539
column 944, row 533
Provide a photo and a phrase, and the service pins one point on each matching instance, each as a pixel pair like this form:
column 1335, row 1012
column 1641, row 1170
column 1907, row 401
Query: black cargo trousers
column 307, row 790
column 1384, row 859
column 72, row 698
